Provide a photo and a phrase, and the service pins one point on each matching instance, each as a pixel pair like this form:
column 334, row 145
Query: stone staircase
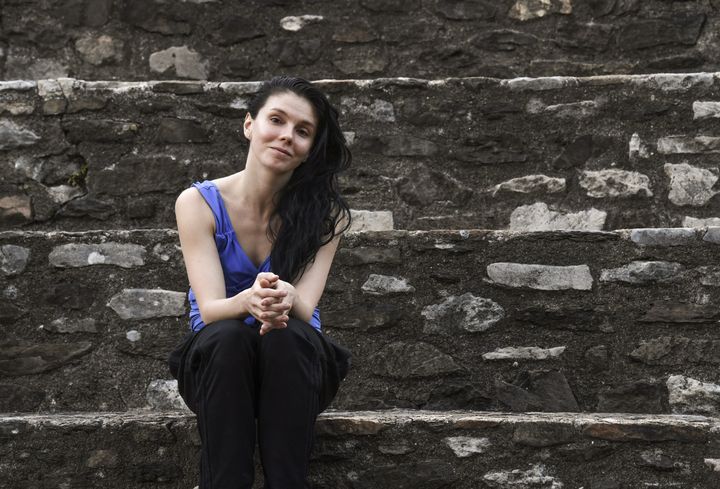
column 531, row 287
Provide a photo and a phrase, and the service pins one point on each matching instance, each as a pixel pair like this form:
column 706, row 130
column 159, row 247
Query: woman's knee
column 230, row 336
column 289, row 340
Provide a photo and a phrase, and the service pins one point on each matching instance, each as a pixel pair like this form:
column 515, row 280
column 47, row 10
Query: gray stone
column 633, row 397
column 73, row 255
column 538, row 217
column 412, row 360
column 524, row 10
column 692, row 396
column 363, row 220
column 39, row 357
column 16, row 108
column 712, row 235
column 573, row 110
column 473, row 314
column 295, row 23
column 671, row 82
column 540, row 435
column 637, row 148
column 642, row 272
column 540, row 84
column 531, row 183
column 404, row 145
column 466, row 9
column 536, row 477
column 706, row 110
column 431, row 474
column 465, row 446
column 713, row 463
column 597, row 358
column 148, row 303
column 709, row 275
column 175, row 131
column 364, row 255
column 681, row 312
column 102, row 458
column 163, row 395
column 542, row 277
column 378, row 110
column 615, row 183
column 524, row 353
column 13, row 259
column 98, row 50
column 663, row 236
column 677, row 350
column 658, row 460
column 537, row 390
column 65, row 325
column 15, row 209
column 385, row 284
column 690, row 185
column 62, row 194
column 20, row 398
column 688, row 145
column 13, row 136
column 364, row 60
column 694, row 222
column 184, row 62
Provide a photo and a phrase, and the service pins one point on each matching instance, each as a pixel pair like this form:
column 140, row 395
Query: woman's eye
column 275, row 119
column 303, row 133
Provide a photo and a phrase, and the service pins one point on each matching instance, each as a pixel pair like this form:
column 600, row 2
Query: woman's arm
column 196, row 229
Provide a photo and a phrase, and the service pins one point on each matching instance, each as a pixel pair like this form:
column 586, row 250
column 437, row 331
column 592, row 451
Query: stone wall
column 213, row 40
column 593, row 153
column 618, row 321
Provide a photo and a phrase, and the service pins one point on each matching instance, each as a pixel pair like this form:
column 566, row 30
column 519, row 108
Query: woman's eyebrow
column 285, row 113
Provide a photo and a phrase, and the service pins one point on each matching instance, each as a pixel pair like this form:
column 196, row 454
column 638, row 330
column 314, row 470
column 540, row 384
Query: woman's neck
column 255, row 190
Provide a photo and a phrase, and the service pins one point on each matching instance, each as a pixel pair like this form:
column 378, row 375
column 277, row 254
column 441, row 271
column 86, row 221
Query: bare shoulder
column 190, row 207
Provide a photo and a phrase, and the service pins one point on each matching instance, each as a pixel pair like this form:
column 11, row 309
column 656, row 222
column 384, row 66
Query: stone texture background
column 594, row 153
column 214, row 40
column 618, row 321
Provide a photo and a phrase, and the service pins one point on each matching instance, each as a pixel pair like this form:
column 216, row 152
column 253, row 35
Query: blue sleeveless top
column 239, row 271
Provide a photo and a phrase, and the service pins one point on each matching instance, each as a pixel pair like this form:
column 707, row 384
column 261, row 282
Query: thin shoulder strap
column 212, row 196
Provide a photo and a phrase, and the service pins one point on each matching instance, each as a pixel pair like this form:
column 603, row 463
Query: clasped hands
column 270, row 301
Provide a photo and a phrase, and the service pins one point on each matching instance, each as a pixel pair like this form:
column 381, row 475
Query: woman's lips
column 281, row 151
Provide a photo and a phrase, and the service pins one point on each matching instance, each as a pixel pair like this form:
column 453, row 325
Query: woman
column 258, row 246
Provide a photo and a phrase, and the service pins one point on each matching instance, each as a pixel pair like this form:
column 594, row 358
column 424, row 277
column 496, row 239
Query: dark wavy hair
column 310, row 206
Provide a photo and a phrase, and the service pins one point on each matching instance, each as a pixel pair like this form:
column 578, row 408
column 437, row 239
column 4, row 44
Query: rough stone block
column 371, row 221
column 384, row 284
column 663, row 236
column 412, row 360
column 466, row 312
column 13, row 259
column 531, row 184
column 692, row 396
column 124, row 255
column 539, row 217
column 524, row 353
column 690, row 185
column 615, row 183
column 643, row 272
column 147, row 303
column 542, row 277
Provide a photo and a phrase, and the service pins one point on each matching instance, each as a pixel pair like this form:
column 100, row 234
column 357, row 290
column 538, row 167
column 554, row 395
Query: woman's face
column 282, row 133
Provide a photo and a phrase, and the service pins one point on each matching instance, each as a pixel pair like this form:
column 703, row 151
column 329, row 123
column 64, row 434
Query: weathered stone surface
column 658, row 460
column 648, row 433
column 181, row 131
column 15, row 209
column 537, row 476
column 412, row 360
column 692, row 396
column 637, row 148
column 75, row 255
column 634, row 397
column 532, row 183
column 426, row 187
column 712, row 235
column 419, row 475
column 362, row 220
column 294, row 23
column 13, row 259
column 677, row 350
column 363, row 255
column 384, row 284
column 98, row 50
column 688, row 145
column 663, row 236
column 467, row 312
column 642, row 272
column 713, row 463
column 147, row 303
column 571, row 110
column 184, row 62
column 69, row 295
column 65, row 325
column 145, row 343
column 33, row 359
column 542, row 277
column 15, row 397
column 404, row 145
column 99, row 131
column 597, row 358
column 465, row 446
column 533, row 9
column 378, row 110
column 694, row 222
column 539, row 217
column 102, row 458
column 681, row 312
column 705, row 110
column 524, row 353
column 13, row 136
column 543, row 434
column 709, row 275
column 615, row 183
column 690, row 185
column 680, row 29
column 163, row 395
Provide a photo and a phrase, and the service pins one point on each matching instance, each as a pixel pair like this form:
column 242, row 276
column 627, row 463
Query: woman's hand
column 280, row 304
column 265, row 302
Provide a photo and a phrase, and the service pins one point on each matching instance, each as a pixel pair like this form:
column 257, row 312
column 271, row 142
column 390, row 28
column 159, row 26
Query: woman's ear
column 247, row 126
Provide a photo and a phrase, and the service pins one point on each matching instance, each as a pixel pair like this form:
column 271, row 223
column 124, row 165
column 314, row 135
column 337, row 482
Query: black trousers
column 241, row 384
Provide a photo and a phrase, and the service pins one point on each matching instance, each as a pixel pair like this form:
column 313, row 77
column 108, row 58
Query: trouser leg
column 224, row 362
column 289, row 368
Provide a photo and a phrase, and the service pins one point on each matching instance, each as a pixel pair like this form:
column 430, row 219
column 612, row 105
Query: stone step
column 377, row 450
column 618, row 321
column 211, row 40
column 601, row 152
